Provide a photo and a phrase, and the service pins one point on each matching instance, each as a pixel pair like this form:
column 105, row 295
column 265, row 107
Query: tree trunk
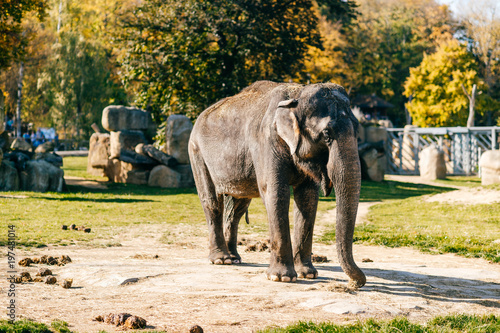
column 472, row 103
column 19, row 99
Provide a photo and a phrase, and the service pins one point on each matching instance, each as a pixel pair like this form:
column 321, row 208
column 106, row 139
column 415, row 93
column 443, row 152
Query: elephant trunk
column 345, row 172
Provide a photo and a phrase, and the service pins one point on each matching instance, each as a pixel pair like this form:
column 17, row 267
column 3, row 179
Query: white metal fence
column 462, row 147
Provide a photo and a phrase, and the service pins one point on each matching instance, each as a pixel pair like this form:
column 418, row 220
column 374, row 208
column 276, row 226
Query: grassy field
column 402, row 219
column 449, row 324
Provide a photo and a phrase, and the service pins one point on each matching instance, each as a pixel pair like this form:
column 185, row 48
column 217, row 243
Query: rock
column 118, row 118
column 51, row 158
column 50, row 280
column 178, row 130
column 431, row 163
column 66, row 284
column 99, row 152
column 44, row 272
column 151, row 151
column 134, row 322
column 9, row 177
column 163, row 176
column 2, row 113
column 375, row 134
column 45, row 147
column 5, row 141
column 385, row 123
column 373, row 161
column 26, row 262
column 19, row 158
column 319, row 258
column 20, row 144
column 196, row 329
column 187, row 179
column 124, row 140
column 489, row 164
column 136, row 159
column 41, row 176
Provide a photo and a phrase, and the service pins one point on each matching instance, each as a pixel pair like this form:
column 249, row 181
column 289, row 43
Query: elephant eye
column 326, row 135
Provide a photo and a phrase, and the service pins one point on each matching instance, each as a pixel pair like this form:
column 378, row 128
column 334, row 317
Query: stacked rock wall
column 25, row 170
column 371, row 148
column 125, row 155
column 489, row 163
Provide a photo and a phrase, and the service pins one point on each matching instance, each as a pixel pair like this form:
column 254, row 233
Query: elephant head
column 320, row 130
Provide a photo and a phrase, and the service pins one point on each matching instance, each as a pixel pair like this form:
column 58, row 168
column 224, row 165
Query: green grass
column 448, row 324
column 76, row 166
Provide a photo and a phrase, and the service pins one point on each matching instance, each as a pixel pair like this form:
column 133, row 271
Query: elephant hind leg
column 233, row 212
column 213, row 206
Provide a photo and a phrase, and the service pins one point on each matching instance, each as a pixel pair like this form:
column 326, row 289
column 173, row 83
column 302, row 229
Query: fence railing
column 462, row 147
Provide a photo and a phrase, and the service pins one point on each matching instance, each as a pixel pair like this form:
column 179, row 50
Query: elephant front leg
column 305, row 206
column 277, row 202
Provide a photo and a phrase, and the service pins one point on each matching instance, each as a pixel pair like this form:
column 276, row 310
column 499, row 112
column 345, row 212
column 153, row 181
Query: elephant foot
column 281, row 273
column 306, row 271
column 235, row 257
column 219, row 258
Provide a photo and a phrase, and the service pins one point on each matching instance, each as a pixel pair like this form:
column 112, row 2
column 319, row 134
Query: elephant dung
column 50, row 280
column 9, row 177
column 98, row 158
column 41, row 176
column 118, row 118
column 489, row 164
column 124, row 140
column 196, row 329
column 431, row 163
column 44, row 272
column 178, row 131
column 66, row 284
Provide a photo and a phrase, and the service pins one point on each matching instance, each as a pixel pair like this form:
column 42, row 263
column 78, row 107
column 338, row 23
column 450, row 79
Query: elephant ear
column 287, row 124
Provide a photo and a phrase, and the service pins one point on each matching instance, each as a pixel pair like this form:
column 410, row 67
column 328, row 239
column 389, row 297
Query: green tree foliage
column 12, row 40
column 185, row 55
column 436, row 87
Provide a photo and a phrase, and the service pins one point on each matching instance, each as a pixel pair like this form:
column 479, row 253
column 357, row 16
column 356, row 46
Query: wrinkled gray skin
column 260, row 142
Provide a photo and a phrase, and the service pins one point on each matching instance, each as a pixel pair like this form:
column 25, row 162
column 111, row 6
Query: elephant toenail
column 294, row 279
column 275, row 278
column 285, row 279
column 218, row 262
column 228, row 262
column 236, row 261
column 310, row 276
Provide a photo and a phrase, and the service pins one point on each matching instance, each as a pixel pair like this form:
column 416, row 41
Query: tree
column 481, row 19
column 386, row 40
column 437, row 86
column 181, row 56
column 12, row 40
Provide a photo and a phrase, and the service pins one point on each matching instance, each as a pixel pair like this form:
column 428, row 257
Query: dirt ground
column 179, row 288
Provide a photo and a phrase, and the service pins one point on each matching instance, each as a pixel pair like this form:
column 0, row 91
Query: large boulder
column 152, row 152
column 375, row 134
column 52, row 158
column 138, row 160
column 99, row 152
column 489, row 163
column 176, row 177
column 45, row 147
column 124, row 140
column 179, row 129
column 9, row 178
column 2, row 113
column 41, row 176
column 123, row 172
column 373, row 160
column 21, row 144
column 118, row 118
column 431, row 163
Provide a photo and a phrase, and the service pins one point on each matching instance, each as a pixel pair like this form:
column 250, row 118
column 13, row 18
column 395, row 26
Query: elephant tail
column 247, row 220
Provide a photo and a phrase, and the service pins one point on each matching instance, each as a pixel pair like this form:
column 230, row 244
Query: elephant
column 263, row 141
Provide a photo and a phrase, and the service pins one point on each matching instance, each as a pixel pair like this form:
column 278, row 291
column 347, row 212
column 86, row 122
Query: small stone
column 196, row 329
column 319, row 258
column 366, row 260
column 72, row 227
column 25, row 262
column 87, row 230
column 44, row 272
column 66, row 284
column 64, row 227
column 50, row 279
column 135, row 322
